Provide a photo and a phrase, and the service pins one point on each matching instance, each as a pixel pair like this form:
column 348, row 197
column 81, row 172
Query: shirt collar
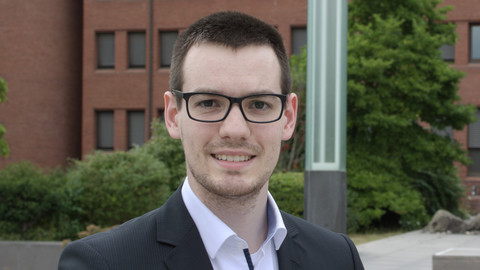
column 215, row 232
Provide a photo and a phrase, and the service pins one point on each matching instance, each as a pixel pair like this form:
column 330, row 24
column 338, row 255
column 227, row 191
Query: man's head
column 235, row 114
column 233, row 30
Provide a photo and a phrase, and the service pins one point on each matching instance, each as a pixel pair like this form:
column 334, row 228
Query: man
column 231, row 106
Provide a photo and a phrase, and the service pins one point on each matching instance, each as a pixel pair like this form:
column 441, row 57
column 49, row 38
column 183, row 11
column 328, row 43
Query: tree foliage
column 167, row 150
column 399, row 91
column 4, row 149
column 292, row 156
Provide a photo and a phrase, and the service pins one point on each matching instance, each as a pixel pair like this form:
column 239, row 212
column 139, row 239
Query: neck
column 245, row 215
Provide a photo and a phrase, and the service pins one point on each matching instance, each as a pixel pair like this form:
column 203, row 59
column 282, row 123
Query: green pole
column 325, row 168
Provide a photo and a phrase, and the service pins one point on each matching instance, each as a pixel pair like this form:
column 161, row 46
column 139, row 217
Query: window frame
column 474, row 148
column 130, row 143
column 474, row 60
column 160, row 48
column 98, row 50
column 449, row 60
column 292, row 46
column 135, row 66
column 99, row 129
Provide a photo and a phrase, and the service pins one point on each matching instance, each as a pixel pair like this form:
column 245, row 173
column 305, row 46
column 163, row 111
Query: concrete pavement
column 26, row 255
column 413, row 250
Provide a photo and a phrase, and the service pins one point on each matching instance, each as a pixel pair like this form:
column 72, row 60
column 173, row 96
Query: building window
column 105, row 130
column 475, row 43
column 167, row 40
column 447, row 132
column 474, row 146
column 448, row 52
column 136, row 49
column 106, row 50
column 299, row 39
column 161, row 114
column 136, row 128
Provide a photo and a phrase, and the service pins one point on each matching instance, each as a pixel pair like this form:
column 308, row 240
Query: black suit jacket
column 167, row 238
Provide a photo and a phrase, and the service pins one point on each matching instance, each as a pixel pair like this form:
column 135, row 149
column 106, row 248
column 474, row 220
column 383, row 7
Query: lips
column 233, row 158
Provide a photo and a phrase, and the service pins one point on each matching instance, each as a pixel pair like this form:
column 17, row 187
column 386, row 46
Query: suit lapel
column 175, row 227
column 189, row 254
column 288, row 255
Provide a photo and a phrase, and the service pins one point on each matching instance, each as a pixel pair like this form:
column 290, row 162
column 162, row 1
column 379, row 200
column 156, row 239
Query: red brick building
column 87, row 75
column 465, row 56
column 125, row 90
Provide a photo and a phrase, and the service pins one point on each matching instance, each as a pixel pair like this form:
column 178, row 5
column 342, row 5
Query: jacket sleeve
column 355, row 256
column 79, row 255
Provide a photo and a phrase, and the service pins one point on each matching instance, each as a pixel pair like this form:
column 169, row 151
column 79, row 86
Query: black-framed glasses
column 211, row 107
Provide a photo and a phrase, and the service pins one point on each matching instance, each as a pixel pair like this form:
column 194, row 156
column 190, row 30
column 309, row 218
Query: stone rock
column 444, row 221
column 474, row 223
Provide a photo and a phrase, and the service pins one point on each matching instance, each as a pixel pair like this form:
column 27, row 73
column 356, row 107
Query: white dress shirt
column 224, row 246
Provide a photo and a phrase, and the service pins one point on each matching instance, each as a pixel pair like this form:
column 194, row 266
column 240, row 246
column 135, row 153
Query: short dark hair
column 234, row 30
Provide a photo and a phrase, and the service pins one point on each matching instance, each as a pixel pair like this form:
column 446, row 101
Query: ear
column 290, row 115
column 170, row 114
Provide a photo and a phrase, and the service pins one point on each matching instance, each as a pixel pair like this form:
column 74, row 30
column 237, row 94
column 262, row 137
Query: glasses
column 210, row 107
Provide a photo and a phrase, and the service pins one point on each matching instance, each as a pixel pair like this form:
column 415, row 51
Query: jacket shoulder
column 319, row 246
column 124, row 246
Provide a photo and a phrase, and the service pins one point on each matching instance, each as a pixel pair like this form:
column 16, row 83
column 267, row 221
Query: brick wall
column 40, row 52
column 464, row 13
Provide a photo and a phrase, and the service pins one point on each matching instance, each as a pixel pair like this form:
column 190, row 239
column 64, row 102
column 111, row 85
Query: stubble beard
column 218, row 191
column 218, row 188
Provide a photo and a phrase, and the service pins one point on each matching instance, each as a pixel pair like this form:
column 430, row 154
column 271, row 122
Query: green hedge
column 110, row 188
column 104, row 189
column 167, row 150
column 287, row 190
column 34, row 204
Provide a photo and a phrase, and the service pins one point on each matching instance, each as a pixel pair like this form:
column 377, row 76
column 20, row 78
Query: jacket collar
column 176, row 228
column 288, row 254
column 188, row 250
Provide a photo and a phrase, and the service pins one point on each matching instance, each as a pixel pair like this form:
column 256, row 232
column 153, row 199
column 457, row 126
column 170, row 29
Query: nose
column 235, row 127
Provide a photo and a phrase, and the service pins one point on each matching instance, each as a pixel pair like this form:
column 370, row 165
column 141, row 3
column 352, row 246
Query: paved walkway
column 412, row 251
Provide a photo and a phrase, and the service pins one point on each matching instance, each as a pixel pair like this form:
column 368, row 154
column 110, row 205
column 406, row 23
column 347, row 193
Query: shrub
column 33, row 204
column 111, row 188
column 287, row 189
column 167, row 150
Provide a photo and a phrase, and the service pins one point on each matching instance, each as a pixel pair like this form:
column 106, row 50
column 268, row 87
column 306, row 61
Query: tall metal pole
column 325, row 169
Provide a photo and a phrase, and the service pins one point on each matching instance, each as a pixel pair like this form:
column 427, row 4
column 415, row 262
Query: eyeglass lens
column 257, row 108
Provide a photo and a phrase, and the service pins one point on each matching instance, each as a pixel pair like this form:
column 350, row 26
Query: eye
column 205, row 101
column 259, row 105
column 209, row 103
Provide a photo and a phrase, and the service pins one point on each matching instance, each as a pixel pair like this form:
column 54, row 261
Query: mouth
column 233, row 158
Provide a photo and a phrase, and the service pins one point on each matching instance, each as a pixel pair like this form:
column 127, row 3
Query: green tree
column 4, row 149
column 399, row 91
column 167, row 150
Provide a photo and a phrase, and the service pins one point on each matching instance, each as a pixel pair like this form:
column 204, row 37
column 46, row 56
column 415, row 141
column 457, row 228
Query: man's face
column 234, row 157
